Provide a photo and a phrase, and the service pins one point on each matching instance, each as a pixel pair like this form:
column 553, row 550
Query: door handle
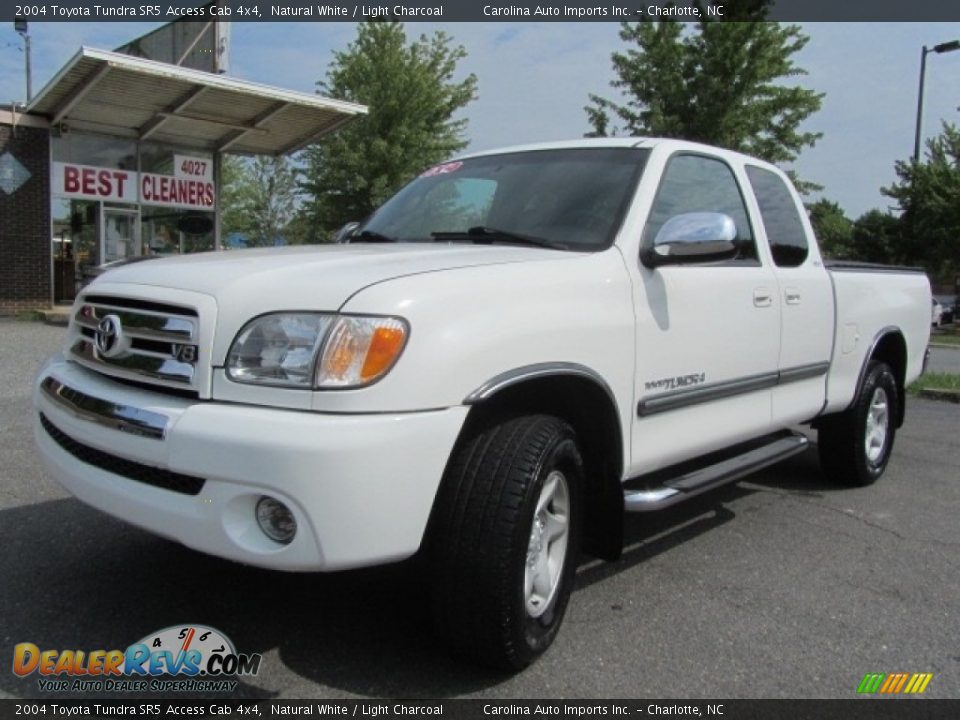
column 792, row 296
column 762, row 297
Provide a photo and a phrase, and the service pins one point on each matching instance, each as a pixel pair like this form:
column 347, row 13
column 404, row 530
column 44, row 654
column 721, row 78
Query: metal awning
column 108, row 92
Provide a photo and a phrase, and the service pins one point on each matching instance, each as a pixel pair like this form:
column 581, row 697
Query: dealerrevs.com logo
column 185, row 658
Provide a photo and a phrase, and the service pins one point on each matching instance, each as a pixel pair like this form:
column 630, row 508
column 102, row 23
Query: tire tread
column 480, row 508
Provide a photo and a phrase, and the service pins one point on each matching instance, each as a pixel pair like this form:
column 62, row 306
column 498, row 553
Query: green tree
column 232, row 169
column 834, row 230
column 928, row 195
column 716, row 81
column 413, row 96
column 259, row 198
column 876, row 238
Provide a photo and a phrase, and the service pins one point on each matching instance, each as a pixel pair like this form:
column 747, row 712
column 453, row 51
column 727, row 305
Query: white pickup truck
column 509, row 354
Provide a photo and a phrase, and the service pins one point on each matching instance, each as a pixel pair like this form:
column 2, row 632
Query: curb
column 942, row 395
column 951, row 346
column 59, row 319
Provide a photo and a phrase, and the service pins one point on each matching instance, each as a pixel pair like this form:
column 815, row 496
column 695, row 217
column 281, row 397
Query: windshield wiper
column 482, row 233
column 372, row 236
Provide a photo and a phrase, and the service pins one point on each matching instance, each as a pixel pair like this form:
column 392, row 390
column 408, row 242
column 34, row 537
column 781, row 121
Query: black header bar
column 893, row 708
column 473, row 10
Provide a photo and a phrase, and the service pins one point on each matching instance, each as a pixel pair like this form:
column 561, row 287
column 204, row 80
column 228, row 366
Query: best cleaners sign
column 190, row 187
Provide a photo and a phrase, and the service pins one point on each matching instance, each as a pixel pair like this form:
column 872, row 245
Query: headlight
column 313, row 350
column 278, row 349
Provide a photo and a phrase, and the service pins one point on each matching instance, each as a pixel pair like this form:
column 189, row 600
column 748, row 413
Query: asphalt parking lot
column 779, row 586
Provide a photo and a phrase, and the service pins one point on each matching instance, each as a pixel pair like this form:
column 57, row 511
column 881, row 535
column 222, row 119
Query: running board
column 688, row 485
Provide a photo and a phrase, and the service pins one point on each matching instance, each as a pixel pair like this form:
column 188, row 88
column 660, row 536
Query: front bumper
column 360, row 486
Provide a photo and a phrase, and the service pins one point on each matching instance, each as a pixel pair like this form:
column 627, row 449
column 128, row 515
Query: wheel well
column 892, row 350
column 591, row 411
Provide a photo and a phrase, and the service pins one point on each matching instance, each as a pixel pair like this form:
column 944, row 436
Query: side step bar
column 690, row 484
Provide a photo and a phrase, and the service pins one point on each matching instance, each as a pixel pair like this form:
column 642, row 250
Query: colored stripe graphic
column 870, row 683
column 894, row 683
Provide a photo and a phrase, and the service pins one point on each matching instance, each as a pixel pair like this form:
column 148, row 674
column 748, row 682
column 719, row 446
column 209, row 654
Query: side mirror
column 344, row 234
column 692, row 237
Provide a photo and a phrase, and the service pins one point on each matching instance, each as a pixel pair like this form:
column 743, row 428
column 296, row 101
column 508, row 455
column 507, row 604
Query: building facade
column 117, row 158
column 26, row 270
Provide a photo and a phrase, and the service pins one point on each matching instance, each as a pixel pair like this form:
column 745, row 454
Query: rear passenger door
column 805, row 297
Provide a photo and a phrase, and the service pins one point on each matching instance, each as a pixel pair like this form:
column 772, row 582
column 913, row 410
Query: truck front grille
column 136, row 340
column 157, row 477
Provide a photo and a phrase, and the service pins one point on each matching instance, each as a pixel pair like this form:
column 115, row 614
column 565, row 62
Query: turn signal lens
column 360, row 350
column 385, row 346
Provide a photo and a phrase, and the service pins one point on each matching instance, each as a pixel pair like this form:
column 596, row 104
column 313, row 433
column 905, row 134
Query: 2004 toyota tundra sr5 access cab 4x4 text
column 509, row 354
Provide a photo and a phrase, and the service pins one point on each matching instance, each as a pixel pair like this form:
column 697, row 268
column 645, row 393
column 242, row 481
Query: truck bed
column 871, row 301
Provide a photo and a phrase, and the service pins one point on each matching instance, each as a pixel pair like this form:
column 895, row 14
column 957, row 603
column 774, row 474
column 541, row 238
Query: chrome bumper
column 125, row 418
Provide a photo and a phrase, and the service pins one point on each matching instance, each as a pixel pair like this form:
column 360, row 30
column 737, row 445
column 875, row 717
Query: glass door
column 120, row 234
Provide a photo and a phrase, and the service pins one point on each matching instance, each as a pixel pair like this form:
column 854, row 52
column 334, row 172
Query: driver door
column 708, row 333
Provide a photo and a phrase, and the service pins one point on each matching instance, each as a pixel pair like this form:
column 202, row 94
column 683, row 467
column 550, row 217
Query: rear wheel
column 505, row 540
column 855, row 445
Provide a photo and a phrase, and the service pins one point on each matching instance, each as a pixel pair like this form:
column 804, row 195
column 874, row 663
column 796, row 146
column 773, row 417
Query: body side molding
column 532, row 372
column 706, row 393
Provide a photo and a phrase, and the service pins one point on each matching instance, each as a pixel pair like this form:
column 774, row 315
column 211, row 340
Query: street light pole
column 20, row 25
column 923, row 73
column 939, row 49
column 26, row 50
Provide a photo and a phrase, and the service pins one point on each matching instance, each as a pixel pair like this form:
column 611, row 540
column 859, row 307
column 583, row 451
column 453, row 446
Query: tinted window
column 781, row 219
column 575, row 198
column 694, row 183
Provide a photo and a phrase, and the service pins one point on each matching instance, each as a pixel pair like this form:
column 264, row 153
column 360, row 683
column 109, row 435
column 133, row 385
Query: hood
column 310, row 277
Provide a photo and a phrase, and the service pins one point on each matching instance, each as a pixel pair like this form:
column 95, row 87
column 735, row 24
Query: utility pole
column 20, row 25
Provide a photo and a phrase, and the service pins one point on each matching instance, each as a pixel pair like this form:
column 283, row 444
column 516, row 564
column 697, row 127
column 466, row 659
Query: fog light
column 276, row 520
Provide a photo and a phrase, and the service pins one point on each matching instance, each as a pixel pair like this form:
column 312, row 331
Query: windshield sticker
column 444, row 169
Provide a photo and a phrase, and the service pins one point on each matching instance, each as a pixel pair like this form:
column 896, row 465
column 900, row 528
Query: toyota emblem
column 109, row 337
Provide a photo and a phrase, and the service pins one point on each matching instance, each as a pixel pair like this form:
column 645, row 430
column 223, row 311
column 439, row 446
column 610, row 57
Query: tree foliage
column 877, row 239
column 833, row 228
column 259, row 198
column 928, row 195
column 873, row 237
column 413, row 96
column 716, row 81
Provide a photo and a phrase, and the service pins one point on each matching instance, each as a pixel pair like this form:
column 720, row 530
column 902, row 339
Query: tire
column 490, row 604
column 855, row 445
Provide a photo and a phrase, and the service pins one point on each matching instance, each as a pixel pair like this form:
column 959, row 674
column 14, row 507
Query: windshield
column 568, row 199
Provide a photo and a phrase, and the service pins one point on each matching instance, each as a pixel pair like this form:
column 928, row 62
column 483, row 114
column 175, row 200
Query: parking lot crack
column 804, row 498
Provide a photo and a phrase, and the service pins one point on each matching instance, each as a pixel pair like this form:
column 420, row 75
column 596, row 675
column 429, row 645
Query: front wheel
column 505, row 540
column 855, row 445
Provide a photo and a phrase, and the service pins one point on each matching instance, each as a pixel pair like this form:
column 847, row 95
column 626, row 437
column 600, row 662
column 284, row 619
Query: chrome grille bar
column 159, row 343
column 153, row 326
column 136, row 366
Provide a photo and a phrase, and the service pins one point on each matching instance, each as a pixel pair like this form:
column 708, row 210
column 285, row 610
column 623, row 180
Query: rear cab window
column 784, row 229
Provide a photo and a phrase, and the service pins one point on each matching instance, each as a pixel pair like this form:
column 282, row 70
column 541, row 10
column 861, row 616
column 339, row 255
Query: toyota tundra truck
column 489, row 371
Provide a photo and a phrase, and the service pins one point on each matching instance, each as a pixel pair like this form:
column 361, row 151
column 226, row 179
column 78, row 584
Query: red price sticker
column 444, row 169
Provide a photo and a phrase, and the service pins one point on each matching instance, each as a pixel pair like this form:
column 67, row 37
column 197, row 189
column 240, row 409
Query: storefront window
column 168, row 231
column 109, row 207
column 76, row 244
column 95, row 150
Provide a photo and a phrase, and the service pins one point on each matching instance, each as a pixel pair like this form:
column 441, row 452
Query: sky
column 535, row 78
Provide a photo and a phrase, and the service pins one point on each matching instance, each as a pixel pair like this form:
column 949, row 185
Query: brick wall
column 25, row 223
